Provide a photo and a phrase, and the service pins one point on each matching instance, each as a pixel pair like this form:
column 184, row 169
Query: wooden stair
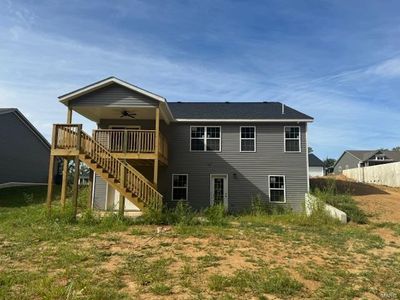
column 121, row 176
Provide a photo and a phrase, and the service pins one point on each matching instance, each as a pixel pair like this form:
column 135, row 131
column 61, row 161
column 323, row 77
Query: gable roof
column 314, row 161
column 27, row 123
column 203, row 111
column 235, row 111
column 364, row 155
column 105, row 82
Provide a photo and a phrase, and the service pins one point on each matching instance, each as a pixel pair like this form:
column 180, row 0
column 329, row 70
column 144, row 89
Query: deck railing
column 71, row 137
column 131, row 141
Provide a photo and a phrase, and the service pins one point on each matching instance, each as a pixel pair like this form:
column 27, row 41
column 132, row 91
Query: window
column 292, row 139
column 179, row 187
column 247, row 139
column 277, row 191
column 205, row 138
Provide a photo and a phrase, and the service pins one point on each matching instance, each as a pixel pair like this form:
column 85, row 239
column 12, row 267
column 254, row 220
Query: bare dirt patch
column 382, row 207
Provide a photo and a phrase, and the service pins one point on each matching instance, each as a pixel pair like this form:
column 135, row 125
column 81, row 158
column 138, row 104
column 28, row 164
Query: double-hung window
column 276, row 184
column 292, row 139
column 179, row 187
column 247, row 139
column 205, row 138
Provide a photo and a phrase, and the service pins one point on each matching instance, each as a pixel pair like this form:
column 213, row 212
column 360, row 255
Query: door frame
column 226, row 187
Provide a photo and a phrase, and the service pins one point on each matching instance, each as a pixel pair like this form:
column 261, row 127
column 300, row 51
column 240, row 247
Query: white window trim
column 172, row 186
column 255, row 138
column 205, row 139
column 269, row 188
column 284, row 139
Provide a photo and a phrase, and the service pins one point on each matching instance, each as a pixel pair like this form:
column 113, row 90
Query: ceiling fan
column 125, row 113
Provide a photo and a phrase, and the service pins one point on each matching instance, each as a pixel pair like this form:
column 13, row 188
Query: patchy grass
column 259, row 282
column 258, row 255
column 331, row 194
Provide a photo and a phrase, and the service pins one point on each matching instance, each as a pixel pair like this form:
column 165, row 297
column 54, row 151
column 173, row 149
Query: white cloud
column 388, row 68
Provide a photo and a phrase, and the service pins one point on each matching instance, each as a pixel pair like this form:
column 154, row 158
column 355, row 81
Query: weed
column 216, row 215
column 264, row 280
column 161, row 289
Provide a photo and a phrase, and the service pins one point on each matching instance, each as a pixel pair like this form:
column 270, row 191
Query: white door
column 219, row 189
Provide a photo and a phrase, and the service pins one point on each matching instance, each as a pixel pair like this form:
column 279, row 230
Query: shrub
column 181, row 214
column 343, row 202
column 258, row 206
column 216, row 215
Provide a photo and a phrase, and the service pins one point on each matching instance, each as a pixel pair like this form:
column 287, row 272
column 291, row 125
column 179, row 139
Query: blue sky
column 338, row 61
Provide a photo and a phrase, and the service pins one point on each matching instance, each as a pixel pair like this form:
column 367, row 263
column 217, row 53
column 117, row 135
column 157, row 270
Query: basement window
column 247, row 139
column 179, row 187
column 277, row 192
column 205, row 138
column 292, row 139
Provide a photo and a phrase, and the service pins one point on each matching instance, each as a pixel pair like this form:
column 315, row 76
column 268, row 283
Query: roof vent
column 179, row 102
column 227, row 102
column 283, row 109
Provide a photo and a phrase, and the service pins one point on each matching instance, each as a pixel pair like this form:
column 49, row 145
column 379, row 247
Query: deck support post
column 64, row 183
column 121, row 203
column 156, row 146
column 89, row 204
column 75, row 186
column 50, row 180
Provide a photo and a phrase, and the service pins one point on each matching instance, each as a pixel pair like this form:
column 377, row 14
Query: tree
column 329, row 162
column 397, row 148
column 310, row 150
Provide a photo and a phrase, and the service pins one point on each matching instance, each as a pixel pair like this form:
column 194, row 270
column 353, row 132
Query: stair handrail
column 136, row 190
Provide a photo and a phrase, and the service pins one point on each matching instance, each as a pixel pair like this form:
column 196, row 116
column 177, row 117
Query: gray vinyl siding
column 24, row 157
column 114, row 95
column 346, row 161
column 99, row 193
column 247, row 172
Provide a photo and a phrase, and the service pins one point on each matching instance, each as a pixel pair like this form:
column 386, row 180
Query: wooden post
column 90, row 189
column 156, row 147
column 50, row 179
column 64, row 183
column 50, row 182
column 75, row 188
column 121, row 197
column 125, row 142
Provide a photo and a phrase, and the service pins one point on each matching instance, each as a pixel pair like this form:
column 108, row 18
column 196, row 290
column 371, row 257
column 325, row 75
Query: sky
column 337, row 61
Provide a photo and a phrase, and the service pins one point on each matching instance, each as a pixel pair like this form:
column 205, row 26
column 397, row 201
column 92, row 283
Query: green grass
column 341, row 200
column 57, row 257
column 262, row 281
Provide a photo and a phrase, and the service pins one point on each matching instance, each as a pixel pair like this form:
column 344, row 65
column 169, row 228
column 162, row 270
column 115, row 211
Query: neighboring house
column 24, row 152
column 200, row 152
column 363, row 158
column 316, row 166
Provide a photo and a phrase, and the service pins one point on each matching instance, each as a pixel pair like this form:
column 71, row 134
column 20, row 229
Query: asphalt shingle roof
column 235, row 110
column 366, row 154
column 314, row 161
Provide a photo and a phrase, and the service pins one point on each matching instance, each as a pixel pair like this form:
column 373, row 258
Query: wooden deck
column 124, row 144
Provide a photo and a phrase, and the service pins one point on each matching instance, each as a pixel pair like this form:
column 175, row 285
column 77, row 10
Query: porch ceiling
column 95, row 114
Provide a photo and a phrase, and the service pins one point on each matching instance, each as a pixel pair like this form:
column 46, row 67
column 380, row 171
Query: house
column 147, row 150
column 24, row 151
column 315, row 166
column 363, row 158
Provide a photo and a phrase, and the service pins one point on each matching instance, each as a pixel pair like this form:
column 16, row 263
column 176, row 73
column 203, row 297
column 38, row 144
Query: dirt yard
column 383, row 206
column 251, row 257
